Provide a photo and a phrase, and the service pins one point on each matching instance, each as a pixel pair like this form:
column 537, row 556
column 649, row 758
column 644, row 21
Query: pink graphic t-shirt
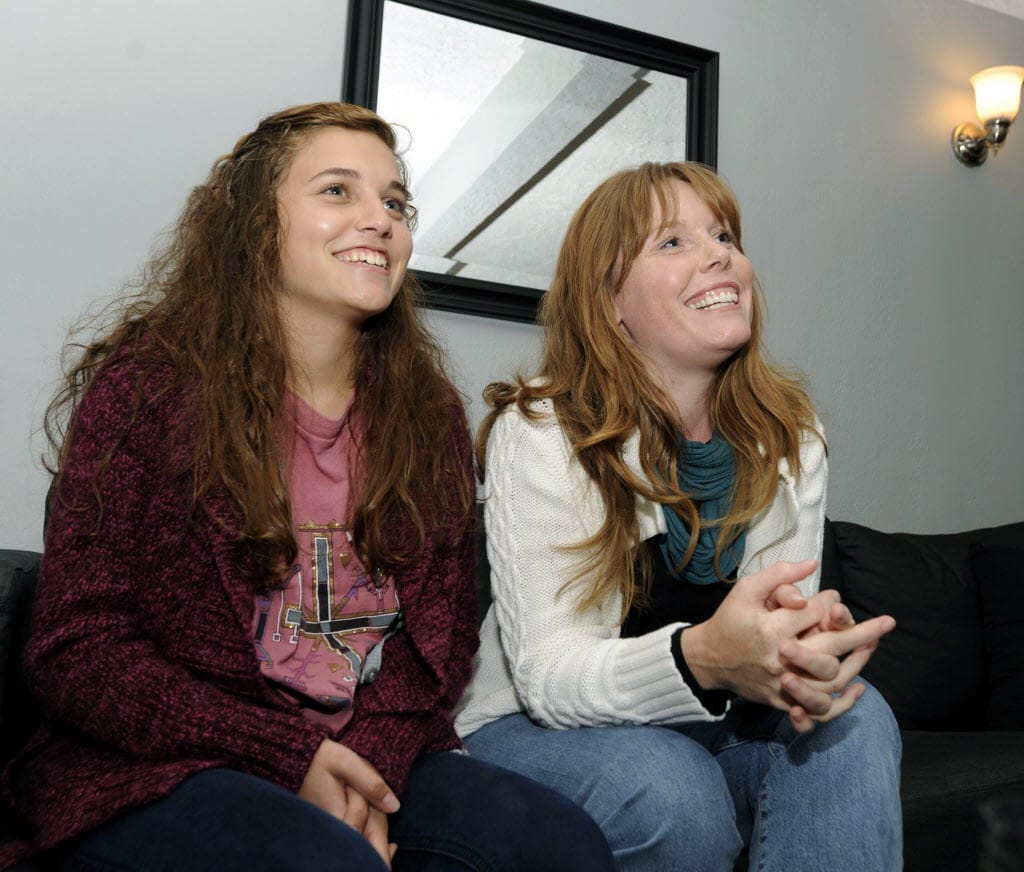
column 313, row 634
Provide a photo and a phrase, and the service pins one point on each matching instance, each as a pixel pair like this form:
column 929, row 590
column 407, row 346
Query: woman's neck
column 321, row 369
column 690, row 395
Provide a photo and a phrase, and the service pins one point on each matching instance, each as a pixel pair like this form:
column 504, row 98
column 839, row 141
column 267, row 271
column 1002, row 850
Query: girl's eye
column 396, row 205
column 725, row 237
column 671, row 242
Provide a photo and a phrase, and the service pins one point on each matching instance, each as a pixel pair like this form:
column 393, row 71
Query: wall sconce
column 997, row 94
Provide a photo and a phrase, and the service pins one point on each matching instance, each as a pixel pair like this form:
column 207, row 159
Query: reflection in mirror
column 513, row 111
column 508, row 133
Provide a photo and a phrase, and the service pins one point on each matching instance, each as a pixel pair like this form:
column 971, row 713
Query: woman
column 256, row 608
column 652, row 498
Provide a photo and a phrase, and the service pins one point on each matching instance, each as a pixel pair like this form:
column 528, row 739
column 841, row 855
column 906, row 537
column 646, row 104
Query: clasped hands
column 768, row 643
column 347, row 786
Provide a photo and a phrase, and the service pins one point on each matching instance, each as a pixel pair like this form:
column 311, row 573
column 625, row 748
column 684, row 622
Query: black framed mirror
column 514, row 112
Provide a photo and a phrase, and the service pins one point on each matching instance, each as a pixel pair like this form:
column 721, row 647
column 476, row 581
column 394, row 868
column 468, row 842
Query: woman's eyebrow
column 394, row 185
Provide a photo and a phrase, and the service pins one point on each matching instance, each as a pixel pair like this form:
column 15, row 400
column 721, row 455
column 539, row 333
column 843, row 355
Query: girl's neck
column 321, row 370
column 690, row 395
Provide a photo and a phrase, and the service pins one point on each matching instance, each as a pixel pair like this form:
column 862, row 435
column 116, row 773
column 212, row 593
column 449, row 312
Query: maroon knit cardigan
column 142, row 644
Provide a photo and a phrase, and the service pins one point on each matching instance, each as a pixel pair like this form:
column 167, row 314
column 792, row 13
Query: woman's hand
column 743, row 647
column 345, row 785
column 823, row 661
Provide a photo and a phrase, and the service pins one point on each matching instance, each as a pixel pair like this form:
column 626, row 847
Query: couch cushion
column 945, row 778
column 930, row 668
column 999, row 571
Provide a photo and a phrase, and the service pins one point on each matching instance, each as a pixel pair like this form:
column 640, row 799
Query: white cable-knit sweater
column 564, row 668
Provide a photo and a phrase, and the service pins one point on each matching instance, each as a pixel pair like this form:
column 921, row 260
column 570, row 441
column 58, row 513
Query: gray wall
column 893, row 275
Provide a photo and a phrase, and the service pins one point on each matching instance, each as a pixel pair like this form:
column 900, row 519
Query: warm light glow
column 997, row 92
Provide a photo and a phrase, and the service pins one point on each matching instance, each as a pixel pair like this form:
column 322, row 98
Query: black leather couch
column 953, row 670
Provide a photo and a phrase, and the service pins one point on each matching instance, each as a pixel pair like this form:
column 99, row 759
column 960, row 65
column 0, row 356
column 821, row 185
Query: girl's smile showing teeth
column 715, row 298
column 364, row 255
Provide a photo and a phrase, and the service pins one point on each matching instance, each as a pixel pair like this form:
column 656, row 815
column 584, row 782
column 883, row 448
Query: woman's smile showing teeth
column 714, row 299
column 364, row 255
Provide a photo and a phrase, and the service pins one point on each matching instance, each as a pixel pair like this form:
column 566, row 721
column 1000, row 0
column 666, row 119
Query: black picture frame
column 698, row 66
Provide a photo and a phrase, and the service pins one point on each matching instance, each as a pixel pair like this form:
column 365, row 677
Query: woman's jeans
column 689, row 798
column 458, row 815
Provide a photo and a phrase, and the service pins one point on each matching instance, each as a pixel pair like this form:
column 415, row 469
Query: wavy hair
column 603, row 393
column 206, row 310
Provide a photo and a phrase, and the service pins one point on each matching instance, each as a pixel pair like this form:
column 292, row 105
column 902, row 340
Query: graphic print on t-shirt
column 313, row 633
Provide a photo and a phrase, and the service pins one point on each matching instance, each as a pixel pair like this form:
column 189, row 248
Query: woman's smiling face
column 346, row 241
column 687, row 300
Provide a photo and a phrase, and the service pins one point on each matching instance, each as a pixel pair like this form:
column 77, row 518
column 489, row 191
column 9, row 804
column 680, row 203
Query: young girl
column 256, row 608
column 652, row 497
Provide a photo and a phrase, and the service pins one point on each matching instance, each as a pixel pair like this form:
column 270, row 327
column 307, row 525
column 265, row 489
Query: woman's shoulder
column 125, row 383
column 536, row 415
column 812, row 436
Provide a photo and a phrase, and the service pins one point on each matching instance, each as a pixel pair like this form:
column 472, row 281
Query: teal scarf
column 706, row 474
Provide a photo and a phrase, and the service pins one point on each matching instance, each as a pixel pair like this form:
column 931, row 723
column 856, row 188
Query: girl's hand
column 345, row 785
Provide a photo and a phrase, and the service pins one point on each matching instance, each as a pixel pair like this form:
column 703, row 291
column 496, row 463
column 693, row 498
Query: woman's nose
column 717, row 253
column 374, row 216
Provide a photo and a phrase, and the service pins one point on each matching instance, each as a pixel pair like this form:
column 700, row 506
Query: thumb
column 360, row 774
column 761, row 585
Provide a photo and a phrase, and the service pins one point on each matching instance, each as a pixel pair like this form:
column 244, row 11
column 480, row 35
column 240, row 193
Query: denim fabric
column 458, row 815
column 689, row 798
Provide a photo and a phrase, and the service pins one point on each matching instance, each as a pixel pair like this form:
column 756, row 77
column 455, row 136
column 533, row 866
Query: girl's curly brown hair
column 206, row 311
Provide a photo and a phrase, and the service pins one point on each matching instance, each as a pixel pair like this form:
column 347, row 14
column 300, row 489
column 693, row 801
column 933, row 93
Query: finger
column 815, row 700
column 376, row 833
column 357, row 809
column 786, row 596
column 842, row 703
column 840, row 617
column 358, row 773
column 852, row 666
column 812, row 663
column 849, row 668
column 792, row 623
column 762, row 584
column 841, row 642
column 323, row 789
column 801, row 721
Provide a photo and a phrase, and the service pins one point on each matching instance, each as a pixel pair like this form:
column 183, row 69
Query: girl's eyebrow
column 394, row 186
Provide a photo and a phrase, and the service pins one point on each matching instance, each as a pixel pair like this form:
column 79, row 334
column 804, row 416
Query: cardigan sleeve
column 135, row 642
column 569, row 668
column 407, row 710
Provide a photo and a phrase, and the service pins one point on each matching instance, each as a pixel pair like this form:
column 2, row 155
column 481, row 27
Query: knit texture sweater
column 565, row 668
column 142, row 647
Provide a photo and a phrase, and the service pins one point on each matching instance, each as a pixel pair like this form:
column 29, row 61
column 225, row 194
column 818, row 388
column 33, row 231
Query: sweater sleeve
column 408, row 709
column 131, row 646
column 569, row 668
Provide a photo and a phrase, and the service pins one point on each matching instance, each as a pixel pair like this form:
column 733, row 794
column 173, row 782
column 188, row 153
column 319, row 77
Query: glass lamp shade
column 997, row 93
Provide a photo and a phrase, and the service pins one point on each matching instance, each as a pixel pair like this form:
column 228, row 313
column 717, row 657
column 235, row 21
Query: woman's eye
column 335, row 190
column 725, row 237
column 671, row 242
column 396, row 205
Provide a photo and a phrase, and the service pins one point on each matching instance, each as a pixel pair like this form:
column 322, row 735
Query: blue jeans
column 458, row 815
column 690, row 797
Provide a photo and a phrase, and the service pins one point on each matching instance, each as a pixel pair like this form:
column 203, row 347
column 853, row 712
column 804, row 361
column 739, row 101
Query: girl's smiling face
column 687, row 300
column 345, row 239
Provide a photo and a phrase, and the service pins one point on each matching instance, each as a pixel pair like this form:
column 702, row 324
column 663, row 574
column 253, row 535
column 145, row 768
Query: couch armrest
column 18, row 709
